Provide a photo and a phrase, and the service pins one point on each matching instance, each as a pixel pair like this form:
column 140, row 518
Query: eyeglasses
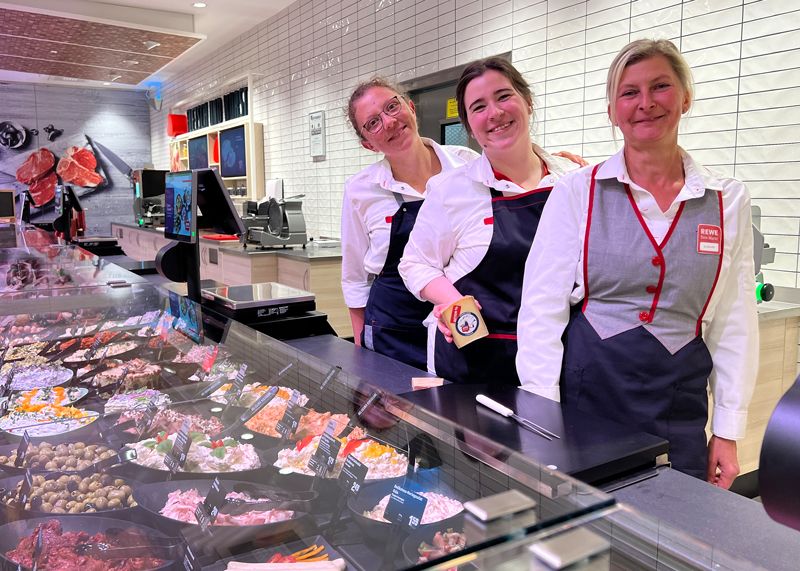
column 375, row 123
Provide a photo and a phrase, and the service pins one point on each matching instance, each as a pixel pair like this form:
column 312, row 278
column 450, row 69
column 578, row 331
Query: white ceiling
column 219, row 22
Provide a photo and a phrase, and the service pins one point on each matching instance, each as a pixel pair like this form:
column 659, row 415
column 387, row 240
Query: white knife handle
column 494, row 405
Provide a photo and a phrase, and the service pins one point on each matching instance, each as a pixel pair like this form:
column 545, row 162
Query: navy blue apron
column 631, row 377
column 393, row 316
column 497, row 284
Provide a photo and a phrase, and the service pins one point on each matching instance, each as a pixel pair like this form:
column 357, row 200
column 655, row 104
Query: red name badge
column 709, row 239
column 454, row 313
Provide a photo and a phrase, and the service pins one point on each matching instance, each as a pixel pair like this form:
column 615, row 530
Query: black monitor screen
column 180, row 207
column 215, row 207
column 198, row 153
column 6, row 205
column 149, row 183
column 232, row 154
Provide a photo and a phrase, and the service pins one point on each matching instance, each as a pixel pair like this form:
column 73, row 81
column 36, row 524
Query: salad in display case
column 133, row 436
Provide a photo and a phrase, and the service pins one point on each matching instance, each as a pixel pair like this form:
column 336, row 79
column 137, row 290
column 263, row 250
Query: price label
column 354, row 472
column 3, row 406
column 235, row 392
column 208, row 510
column 143, row 422
column 25, row 489
column 288, row 424
column 5, row 387
column 405, row 507
column 94, row 347
column 189, row 559
column 324, row 458
column 180, row 449
column 22, row 449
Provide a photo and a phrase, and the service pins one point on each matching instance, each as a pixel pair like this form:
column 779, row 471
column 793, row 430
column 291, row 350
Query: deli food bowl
column 380, row 531
column 44, row 456
column 220, row 541
column 412, row 545
column 59, row 494
column 86, row 528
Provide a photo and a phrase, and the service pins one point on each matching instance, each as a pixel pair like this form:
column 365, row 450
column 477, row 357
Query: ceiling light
column 53, row 51
column 130, row 61
column 150, row 44
column 199, row 4
column 106, row 83
column 113, row 76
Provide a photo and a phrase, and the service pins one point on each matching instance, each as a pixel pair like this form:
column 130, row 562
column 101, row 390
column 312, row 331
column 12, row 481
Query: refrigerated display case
column 137, row 434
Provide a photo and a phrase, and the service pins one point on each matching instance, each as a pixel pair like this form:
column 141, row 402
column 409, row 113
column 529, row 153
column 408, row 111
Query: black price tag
column 354, row 472
column 25, row 489
column 287, row 425
column 235, row 392
column 208, row 510
column 143, row 423
column 22, row 449
column 324, row 458
column 94, row 347
column 4, row 406
column 405, row 507
column 190, row 559
column 180, row 449
column 5, row 387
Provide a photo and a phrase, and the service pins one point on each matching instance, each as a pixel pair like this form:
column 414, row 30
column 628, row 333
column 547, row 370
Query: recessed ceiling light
column 150, row 44
column 130, row 61
column 199, row 4
column 53, row 51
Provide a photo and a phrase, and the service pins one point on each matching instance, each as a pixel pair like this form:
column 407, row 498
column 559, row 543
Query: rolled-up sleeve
column 430, row 245
column 355, row 244
column 550, row 274
column 732, row 332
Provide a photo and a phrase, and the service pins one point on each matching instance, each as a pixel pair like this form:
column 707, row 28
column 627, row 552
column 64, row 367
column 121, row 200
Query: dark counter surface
column 590, row 449
column 372, row 367
column 737, row 525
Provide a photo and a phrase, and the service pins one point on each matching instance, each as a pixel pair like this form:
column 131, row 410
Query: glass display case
column 137, row 433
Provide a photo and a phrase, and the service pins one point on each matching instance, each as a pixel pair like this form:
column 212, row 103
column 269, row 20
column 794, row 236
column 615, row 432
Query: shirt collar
column 697, row 178
column 382, row 171
column 480, row 170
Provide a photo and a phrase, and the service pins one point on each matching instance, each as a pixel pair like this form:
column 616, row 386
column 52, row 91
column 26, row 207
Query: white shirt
column 555, row 265
column 450, row 237
column 368, row 206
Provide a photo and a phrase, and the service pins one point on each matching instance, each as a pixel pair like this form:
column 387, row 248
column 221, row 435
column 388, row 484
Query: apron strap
column 495, row 193
column 399, row 198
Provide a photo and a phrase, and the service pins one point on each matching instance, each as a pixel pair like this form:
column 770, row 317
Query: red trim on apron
column 512, row 336
column 488, row 221
column 698, row 329
column 388, row 219
column 522, row 194
column 586, row 240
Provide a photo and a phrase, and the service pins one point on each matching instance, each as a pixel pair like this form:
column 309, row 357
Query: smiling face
column 498, row 116
column 398, row 132
column 649, row 102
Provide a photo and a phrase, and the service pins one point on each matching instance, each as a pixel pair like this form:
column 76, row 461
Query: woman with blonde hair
column 378, row 212
column 639, row 288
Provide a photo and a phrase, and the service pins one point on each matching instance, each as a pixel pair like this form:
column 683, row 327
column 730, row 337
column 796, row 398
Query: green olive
column 114, row 504
column 101, row 503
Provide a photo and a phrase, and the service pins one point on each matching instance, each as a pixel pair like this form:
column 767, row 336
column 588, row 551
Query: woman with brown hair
column 476, row 226
column 378, row 212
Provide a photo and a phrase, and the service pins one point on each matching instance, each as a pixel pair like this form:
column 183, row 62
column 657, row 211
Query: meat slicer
column 763, row 254
column 275, row 223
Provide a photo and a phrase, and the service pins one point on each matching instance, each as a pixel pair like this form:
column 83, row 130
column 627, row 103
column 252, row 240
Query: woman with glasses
column 639, row 289
column 379, row 210
column 476, row 227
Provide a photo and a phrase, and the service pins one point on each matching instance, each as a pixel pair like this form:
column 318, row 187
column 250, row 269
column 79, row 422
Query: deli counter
column 137, row 434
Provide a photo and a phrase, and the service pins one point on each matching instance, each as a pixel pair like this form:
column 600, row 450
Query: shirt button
column 652, row 289
column 644, row 316
column 656, row 261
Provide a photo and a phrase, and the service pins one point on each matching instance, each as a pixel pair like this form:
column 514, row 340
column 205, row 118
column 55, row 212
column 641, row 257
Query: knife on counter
column 508, row 413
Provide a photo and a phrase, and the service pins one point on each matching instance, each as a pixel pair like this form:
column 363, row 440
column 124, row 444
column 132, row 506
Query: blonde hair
column 639, row 50
column 359, row 92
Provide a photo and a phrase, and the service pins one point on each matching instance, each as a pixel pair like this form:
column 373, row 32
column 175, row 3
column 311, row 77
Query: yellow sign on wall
column 452, row 108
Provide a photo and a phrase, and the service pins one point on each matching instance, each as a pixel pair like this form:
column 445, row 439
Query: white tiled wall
column 745, row 56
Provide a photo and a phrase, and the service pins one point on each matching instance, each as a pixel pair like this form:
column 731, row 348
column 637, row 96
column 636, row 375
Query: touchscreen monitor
column 180, row 206
column 232, row 153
